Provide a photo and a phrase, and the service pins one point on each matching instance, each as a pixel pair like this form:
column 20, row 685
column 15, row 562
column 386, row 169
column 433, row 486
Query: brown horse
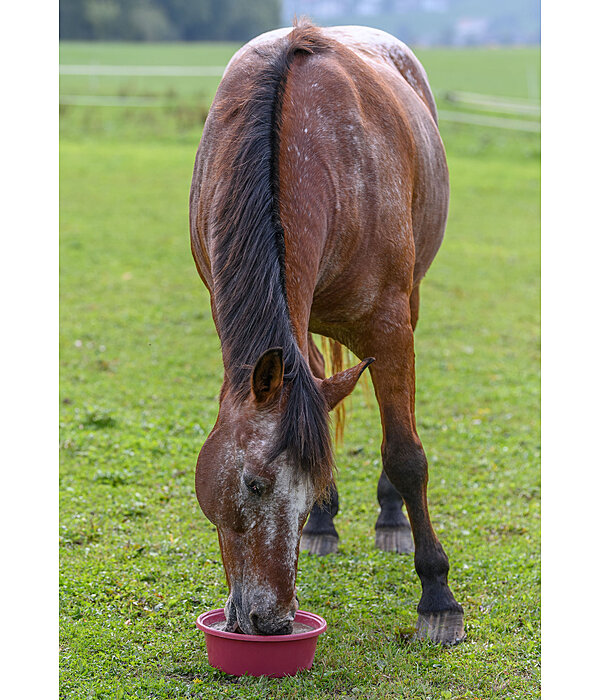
column 318, row 201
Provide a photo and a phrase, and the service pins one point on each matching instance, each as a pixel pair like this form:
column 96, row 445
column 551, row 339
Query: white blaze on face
column 281, row 517
column 296, row 500
column 275, row 518
column 282, row 508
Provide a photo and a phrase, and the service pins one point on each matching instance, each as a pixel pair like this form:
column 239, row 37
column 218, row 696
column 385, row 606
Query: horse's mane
column 248, row 248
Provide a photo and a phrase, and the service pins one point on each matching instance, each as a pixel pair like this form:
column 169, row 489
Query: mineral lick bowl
column 257, row 655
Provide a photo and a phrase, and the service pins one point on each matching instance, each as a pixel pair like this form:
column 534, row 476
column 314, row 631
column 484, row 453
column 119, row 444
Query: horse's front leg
column 389, row 339
column 392, row 529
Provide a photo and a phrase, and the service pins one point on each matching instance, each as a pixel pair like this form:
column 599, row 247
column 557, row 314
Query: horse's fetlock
column 405, row 465
column 432, row 564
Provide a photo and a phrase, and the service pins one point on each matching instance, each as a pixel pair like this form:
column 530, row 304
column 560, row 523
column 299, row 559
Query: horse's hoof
column 394, row 539
column 445, row 627
column 319, row 544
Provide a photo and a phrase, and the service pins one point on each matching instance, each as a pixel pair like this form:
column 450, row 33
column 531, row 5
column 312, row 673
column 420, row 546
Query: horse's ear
column 341, row 384
column 267, row 376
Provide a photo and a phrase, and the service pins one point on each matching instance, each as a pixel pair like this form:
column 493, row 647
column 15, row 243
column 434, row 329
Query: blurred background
column 425, row 22
column 151, row 67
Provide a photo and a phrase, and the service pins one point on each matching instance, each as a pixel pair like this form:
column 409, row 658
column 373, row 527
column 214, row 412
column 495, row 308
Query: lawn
column 140, row 375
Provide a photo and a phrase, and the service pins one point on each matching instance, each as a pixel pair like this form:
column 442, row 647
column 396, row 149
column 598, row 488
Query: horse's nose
column 269, row 624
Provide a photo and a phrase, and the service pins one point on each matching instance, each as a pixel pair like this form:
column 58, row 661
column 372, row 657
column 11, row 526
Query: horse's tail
column 336, row 355
column 337, row 358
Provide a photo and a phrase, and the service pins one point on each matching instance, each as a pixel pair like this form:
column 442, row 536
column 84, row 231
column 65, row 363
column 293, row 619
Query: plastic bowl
column 257, row 655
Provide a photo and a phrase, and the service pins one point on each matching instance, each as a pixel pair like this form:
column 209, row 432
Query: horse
column 318, row 201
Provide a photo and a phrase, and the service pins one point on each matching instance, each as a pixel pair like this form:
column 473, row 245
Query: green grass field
column 140, row 375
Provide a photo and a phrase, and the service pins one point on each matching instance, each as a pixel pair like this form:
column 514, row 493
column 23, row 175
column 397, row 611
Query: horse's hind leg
column 319, row 535
column 392, row 529
column 389, row 338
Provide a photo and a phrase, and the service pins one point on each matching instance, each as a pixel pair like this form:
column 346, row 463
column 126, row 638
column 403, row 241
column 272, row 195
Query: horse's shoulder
column 378, row 46
column 374, row 45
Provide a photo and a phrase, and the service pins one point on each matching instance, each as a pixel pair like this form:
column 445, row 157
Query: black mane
column 248, row 267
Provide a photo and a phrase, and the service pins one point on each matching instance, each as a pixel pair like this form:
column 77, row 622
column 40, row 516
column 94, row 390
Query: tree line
column 167, row 20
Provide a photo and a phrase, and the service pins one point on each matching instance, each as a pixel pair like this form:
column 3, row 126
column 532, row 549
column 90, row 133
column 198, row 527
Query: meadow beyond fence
column 141, row 370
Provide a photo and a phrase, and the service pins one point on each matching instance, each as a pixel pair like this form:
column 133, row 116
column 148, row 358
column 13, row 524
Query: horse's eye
column 253, row 485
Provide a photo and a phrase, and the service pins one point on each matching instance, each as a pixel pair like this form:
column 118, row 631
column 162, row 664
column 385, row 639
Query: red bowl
column 257, row 655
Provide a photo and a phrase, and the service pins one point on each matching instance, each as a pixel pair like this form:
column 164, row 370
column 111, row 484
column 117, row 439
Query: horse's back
column 382, row 48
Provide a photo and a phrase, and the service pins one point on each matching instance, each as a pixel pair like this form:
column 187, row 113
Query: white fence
column 155, row 71
column 476, row 101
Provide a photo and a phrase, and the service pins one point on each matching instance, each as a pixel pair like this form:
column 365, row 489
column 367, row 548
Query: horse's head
column 259, row 499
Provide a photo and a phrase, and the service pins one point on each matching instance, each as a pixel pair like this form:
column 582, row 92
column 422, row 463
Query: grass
column 140, row 375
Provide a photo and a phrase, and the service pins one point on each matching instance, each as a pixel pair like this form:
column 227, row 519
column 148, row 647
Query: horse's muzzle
column 269, row 625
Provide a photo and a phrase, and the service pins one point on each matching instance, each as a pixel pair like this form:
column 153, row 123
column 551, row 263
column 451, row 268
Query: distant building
column 430, row 22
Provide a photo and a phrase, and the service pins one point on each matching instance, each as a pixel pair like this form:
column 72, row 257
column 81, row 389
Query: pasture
column 141, row 370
